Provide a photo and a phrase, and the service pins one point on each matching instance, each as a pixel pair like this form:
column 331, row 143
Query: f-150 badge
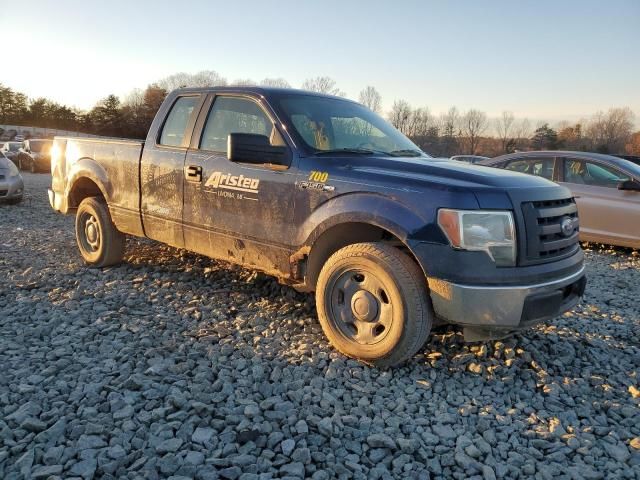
column 316, row 181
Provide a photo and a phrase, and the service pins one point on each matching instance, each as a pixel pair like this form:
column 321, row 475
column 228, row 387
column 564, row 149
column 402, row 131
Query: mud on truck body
column 325, row 195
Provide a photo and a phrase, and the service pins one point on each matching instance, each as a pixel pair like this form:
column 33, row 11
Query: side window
column 589, row 173
column 541, row 167
column 175, row 125
column 235, row 115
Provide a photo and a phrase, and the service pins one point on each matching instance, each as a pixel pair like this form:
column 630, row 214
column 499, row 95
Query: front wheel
column 100, row 243
column 373, row 304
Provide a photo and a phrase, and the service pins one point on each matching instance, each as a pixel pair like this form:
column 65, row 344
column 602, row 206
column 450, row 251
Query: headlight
column 481, row 230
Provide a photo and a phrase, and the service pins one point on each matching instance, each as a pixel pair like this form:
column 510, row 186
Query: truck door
column 240, row 212
column 162, row 166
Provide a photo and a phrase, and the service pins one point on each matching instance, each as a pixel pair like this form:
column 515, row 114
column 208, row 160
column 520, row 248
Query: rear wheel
column 100, row 243
column 373, row 303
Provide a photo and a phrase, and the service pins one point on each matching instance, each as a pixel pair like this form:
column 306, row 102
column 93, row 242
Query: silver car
column 11, row 183
column 606, row 189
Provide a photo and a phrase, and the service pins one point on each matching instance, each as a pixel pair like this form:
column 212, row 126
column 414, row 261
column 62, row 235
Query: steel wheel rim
column 360, row 305
column 92, row 236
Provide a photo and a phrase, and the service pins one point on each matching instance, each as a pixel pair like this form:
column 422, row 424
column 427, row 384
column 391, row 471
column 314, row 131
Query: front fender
column 370, row 208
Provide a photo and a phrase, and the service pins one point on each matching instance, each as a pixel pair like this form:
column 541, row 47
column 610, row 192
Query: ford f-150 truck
column 328, row 197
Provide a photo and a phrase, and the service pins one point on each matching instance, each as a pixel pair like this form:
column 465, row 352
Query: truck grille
column 551, row 229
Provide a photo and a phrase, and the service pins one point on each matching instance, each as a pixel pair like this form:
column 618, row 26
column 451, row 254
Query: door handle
column 193, row 173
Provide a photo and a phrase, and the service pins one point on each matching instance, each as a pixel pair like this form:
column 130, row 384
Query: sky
column 542, row 59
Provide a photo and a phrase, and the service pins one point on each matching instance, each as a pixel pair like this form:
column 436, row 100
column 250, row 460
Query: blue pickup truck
column 325, row 195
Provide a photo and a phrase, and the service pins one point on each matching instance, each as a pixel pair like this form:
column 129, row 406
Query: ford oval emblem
column 566, row 226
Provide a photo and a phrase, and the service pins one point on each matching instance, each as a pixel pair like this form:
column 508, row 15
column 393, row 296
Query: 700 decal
column 317, row 176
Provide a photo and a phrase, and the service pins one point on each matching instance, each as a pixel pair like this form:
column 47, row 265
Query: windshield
column 328, row 124
column 630, row 167
column 40, row 147
column 14, row 146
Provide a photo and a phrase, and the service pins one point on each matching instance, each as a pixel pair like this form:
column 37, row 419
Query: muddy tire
column 100, row 243
column 373, row 304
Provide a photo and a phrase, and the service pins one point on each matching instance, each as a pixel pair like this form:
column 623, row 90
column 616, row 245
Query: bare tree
column 322, row 85
column 473, row 125
column 371, row 98
column 523, row 133
column 205, row 78
column 610, row 131
column 243, row 82
column 504, row 128
column 419, row 123
column 275, row 82
column 449, row 129
column 400, row 115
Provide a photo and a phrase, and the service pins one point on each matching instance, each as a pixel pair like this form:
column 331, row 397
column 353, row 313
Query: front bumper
column 493, row 311
column 11, row 189
column 57, row 201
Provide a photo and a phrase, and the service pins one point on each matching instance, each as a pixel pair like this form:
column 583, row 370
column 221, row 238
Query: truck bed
column 111, row 162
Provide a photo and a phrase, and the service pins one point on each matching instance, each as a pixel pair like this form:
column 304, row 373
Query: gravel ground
column 171, row 365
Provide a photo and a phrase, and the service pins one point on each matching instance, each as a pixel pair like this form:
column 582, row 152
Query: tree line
column 449, row 133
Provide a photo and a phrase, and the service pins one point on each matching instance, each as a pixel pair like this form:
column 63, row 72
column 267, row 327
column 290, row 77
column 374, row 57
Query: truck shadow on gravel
column 253, row 299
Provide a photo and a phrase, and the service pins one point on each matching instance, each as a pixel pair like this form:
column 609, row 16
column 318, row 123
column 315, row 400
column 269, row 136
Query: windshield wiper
column 408, row 152
column 355, row 151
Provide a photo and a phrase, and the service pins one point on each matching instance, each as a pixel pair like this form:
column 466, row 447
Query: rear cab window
column 175, row 125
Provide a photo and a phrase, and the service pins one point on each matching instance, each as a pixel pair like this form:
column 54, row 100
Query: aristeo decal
column 237, row 187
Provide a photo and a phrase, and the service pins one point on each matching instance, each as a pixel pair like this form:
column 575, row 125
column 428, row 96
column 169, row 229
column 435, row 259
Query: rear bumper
column 492, row 311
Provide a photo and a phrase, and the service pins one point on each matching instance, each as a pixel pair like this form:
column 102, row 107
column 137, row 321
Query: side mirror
column 252, row 148
column 629, row 185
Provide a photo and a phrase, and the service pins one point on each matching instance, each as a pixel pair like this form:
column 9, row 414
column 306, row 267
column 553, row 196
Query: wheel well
column 83, row 188
column 340, row 236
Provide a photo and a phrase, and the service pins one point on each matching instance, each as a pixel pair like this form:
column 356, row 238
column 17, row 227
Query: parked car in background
column 606, row 189
column 468, row 158
column 11, row 151
column 11, row 184
column 35, row 155
column 9, row 134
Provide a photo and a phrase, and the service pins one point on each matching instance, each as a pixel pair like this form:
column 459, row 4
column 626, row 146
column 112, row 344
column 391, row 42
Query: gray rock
column 31, row 424
column 619, row 452
column 231, row 473
column 46, row 471
column 169, row 445
column 202, row 435
column 294, row 469
column 85, row 468
column 90, row 441
column 380, row 440
column 287, row 446
column 325, row 427
column 302, row 455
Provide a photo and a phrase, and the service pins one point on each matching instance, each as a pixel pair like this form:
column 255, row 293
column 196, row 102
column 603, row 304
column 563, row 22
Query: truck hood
column 421, row 172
